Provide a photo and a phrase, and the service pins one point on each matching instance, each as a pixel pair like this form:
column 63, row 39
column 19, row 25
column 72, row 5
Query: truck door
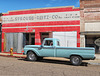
column 47, row 49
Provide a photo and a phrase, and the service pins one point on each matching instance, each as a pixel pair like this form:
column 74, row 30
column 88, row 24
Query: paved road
column 22, row 67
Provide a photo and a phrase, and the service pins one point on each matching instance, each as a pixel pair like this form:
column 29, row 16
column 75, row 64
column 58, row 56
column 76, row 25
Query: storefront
column 93, row 41
column 30, row 27
column 90, row 24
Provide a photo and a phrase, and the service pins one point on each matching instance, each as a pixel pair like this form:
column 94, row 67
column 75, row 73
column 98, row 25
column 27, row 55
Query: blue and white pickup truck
column 51, row 48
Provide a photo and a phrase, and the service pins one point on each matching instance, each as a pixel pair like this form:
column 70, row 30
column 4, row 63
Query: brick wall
column 89, row 3
column 89, row 12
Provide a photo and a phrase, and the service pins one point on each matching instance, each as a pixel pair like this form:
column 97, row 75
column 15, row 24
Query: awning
column 90, row 33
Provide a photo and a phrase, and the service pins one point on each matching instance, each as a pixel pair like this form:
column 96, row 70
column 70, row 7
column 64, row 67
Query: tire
column 76, row 60
column 31, row 56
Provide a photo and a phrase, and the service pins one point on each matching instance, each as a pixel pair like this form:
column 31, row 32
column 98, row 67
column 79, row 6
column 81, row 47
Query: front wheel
column 31, row 56
column 76, row 60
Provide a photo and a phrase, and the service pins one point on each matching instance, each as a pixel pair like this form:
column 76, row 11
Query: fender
column 32, row 49
column 75, row 54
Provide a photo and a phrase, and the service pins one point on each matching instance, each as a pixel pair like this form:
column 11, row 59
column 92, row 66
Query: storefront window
column 90, row 42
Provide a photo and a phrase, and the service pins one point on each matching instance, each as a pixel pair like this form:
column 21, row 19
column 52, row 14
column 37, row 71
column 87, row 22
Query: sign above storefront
column 97, row 42
column 42, row 17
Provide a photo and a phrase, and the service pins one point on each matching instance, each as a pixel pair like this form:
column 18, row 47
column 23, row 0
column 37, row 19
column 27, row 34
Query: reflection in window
column 48, row 43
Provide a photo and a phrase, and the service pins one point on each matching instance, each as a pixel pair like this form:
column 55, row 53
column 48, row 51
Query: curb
column 93, row 63
column 13, row 56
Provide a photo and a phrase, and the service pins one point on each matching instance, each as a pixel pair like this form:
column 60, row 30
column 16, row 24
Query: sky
column 10, row 5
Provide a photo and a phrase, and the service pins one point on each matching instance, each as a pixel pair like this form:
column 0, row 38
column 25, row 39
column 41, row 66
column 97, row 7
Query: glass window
column 48, row 43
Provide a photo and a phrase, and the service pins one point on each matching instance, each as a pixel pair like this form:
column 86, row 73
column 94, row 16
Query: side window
column 48, row 43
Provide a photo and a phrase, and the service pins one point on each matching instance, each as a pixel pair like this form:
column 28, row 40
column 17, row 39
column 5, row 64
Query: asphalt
column 92, row 62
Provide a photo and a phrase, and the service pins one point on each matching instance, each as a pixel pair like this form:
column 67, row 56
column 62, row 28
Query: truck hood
column 32, row 46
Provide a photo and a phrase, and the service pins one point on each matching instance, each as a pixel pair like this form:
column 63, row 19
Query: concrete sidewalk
column 93, row 62
column 96, row 61
column 14, row 55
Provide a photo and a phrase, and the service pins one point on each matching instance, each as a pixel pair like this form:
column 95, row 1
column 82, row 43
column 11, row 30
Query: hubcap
column 75, row 60
column 31, row 57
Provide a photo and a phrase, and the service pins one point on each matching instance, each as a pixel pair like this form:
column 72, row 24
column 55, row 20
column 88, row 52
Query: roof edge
column 41, row 8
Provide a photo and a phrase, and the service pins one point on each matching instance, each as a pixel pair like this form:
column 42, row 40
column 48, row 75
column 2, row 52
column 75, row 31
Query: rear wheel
column 31, row 56
column 76, row 60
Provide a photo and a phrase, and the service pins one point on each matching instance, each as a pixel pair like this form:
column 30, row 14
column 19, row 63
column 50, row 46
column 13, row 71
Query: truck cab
column 48, row 47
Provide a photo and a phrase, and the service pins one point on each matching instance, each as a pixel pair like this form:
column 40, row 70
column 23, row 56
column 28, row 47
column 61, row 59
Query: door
column 71, row 39
column 15, row 41
column 47, row 49
column 67, row 39
column 43, row 36
column 32, row 39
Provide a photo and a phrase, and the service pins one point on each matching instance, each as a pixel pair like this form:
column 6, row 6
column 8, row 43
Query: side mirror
column 41, row 46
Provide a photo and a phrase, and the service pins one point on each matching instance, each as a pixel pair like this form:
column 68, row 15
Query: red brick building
column 33, row 25
column 90, row 24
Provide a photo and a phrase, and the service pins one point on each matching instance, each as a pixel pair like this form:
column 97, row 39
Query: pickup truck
column 51, row 48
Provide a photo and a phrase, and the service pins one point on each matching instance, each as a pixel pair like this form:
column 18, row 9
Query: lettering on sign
column 97, row 42
column 42, row 17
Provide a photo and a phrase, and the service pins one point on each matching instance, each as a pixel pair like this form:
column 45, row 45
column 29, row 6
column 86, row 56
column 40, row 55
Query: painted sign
column 97, row 42
column 42, row 17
